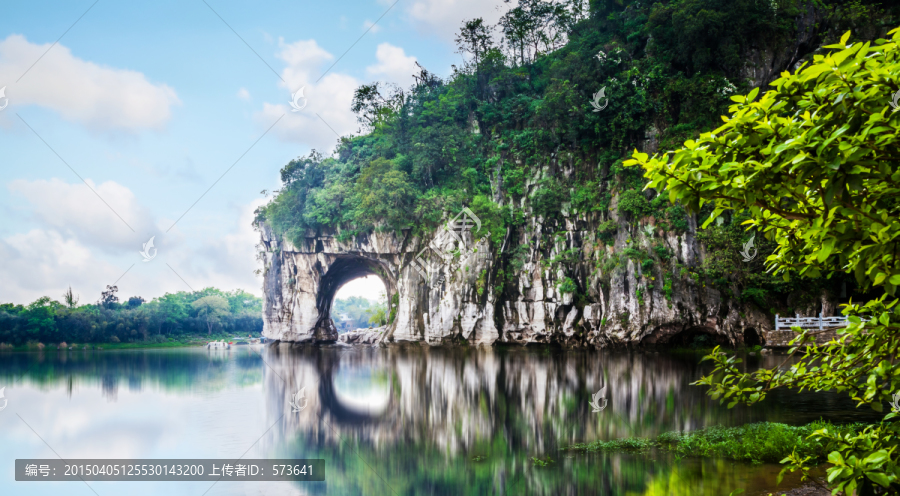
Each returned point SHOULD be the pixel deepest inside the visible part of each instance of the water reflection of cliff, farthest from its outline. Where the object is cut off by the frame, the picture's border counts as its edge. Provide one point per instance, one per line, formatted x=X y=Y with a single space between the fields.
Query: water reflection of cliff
x=453 y=397
x=444 y=407
x=448 y=421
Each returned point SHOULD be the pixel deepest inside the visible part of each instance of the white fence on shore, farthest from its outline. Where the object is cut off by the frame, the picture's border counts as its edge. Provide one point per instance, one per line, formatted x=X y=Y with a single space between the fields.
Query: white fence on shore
x=809 y=322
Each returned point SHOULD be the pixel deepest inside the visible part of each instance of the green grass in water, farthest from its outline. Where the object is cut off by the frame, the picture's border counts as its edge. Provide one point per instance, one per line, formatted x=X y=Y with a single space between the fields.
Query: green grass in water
x=757 y=443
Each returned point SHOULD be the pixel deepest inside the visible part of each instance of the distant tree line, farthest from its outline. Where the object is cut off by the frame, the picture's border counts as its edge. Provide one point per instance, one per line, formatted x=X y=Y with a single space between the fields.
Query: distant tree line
x=356 y=312
x=109 y=320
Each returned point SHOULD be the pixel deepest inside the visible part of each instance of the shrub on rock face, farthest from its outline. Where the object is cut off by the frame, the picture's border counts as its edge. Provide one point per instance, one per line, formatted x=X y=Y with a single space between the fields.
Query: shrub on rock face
x=813 y=163
x=633 y=205
x=567 y=286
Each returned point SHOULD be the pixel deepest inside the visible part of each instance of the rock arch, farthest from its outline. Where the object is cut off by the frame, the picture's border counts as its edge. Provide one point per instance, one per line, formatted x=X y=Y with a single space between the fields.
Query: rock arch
x=509 y=290
x=343 y=269
x=300 y=283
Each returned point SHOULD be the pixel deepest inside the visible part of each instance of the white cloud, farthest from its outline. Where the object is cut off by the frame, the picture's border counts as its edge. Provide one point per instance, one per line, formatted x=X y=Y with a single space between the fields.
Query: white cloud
x=304 y=59
x=444 y=17
x=99 y=97
x=329 y=98
x=393 y=65
x=229 y=261
x=74 y=210
x=78 y=241
x=44 y=262
x=327 y=113
x=243 y=94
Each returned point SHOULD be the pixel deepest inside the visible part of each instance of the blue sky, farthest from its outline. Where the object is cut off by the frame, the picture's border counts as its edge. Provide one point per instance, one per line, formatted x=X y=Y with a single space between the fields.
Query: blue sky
x=151 y=102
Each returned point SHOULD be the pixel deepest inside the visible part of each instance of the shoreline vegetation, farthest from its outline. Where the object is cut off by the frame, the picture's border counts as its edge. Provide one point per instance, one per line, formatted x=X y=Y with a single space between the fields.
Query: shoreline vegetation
x=762 y=442
x=182 y=317
x=172 y=320
x=182 y=342
x=757 y=443
x=201 y=340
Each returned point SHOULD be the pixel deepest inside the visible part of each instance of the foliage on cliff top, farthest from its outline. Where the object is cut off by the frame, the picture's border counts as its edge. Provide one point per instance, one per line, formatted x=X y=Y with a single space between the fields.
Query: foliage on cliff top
x=504 y=125
x=813 y=163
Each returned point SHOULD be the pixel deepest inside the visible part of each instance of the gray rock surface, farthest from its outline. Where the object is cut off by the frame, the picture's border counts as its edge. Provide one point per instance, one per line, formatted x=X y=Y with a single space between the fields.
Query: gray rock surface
x=464 y=298
x=362 y=336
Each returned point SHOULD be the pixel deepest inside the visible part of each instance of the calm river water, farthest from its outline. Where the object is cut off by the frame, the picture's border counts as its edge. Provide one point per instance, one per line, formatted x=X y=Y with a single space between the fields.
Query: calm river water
x=404 y=421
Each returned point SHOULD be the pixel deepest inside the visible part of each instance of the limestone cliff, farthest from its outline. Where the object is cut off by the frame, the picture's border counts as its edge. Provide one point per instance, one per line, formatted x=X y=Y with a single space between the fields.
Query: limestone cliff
x=579 y=254
x=460 y=299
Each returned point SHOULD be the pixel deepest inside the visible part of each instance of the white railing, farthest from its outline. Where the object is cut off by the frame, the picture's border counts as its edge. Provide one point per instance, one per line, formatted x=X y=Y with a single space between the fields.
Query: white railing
x=809 y=322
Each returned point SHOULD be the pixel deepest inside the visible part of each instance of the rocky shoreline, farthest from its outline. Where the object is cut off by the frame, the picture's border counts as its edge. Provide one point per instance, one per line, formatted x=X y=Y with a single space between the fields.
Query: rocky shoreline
x=372 y=335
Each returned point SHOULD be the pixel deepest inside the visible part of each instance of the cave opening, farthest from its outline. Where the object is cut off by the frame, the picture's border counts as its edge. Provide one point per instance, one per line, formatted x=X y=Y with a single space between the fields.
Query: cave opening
x=752 y=338
x=696 y=337
x=351 y=287
x=359 y=303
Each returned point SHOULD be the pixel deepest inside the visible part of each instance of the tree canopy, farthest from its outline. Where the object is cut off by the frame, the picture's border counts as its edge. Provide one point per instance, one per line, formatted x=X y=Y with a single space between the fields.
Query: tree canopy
x=355 y=312
x=511 y=133
x=813 y=163
x=169 y=316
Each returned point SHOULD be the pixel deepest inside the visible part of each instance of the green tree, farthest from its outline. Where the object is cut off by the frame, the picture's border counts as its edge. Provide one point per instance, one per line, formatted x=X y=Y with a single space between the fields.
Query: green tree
x=373 y=104
x=534 y=27
x=173 y=309
x=384 y=194
x=378 y=313
x=70 y=299
x=351 y=312
x=474 y=38
x=813 y=163
x=211 y=308
x=40 y=316
x=108 y=298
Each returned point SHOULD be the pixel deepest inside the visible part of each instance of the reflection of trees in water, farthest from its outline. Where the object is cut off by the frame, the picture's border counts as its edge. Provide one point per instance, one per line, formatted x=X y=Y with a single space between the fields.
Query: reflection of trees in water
x=508 y=404
x=180 y=370
x=445 y=406
x=458 y=396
